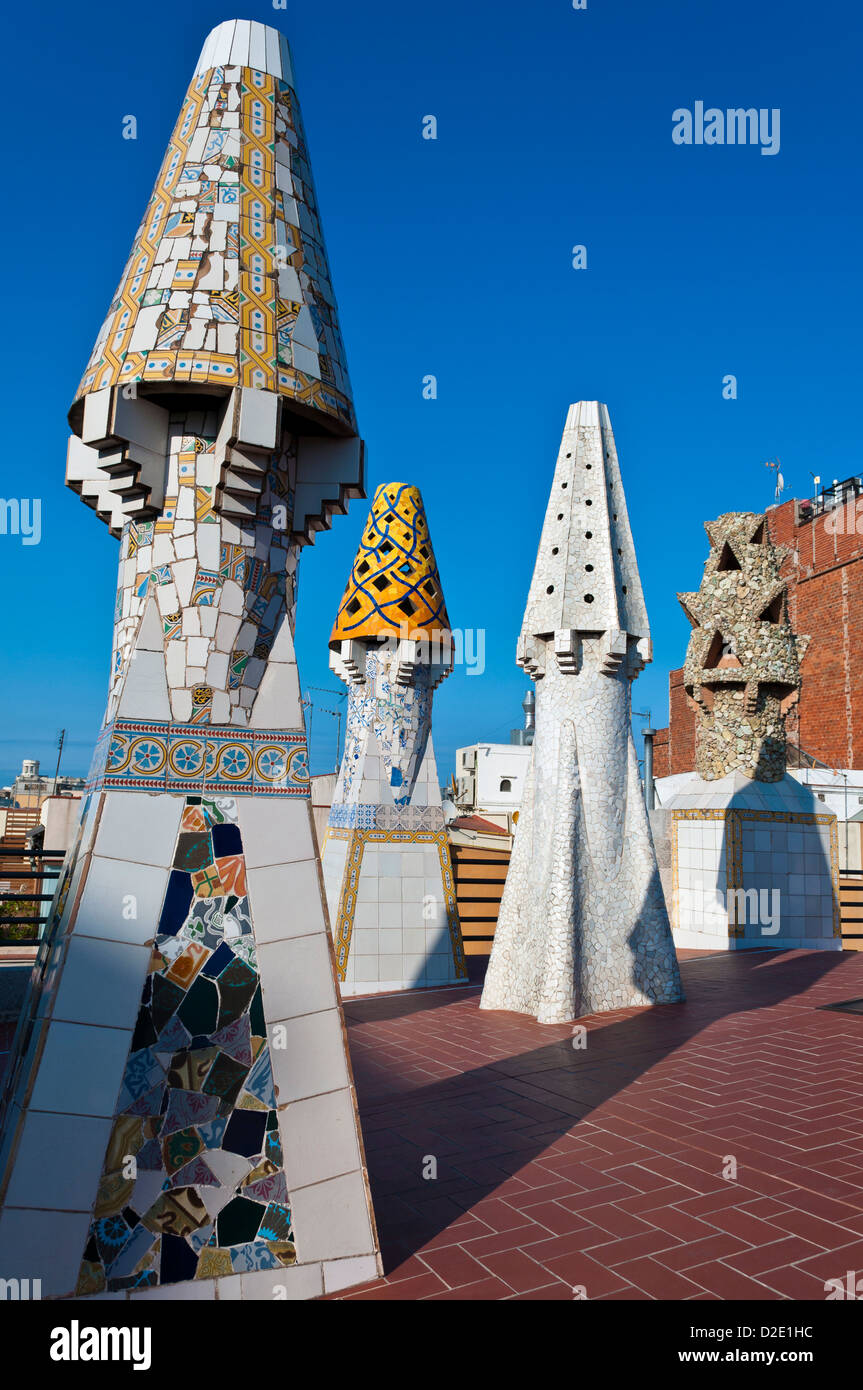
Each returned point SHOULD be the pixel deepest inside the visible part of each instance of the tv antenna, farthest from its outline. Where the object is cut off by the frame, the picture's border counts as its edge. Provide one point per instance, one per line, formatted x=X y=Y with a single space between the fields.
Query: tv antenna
x=780 y=481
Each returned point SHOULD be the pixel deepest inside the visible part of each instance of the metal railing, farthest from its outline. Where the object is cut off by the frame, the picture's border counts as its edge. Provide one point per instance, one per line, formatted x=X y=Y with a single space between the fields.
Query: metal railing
x=51 y=863
x=829 y=498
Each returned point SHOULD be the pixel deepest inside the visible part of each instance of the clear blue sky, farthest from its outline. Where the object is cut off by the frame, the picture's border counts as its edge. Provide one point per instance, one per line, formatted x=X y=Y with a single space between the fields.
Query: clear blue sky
x=454 y=258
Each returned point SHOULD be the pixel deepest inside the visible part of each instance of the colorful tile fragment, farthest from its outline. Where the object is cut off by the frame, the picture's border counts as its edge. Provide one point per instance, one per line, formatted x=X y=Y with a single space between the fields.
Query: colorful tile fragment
x=193 y=1185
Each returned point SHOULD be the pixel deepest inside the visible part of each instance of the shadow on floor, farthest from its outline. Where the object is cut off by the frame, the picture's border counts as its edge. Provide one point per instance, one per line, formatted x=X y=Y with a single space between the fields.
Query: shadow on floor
x=508 y=1088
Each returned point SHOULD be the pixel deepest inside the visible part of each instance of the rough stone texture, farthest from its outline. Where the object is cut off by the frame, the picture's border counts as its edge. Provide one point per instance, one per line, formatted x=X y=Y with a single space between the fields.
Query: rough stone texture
x=743 y=662
x=754 y=858
x=583 y=926
x=823 y=570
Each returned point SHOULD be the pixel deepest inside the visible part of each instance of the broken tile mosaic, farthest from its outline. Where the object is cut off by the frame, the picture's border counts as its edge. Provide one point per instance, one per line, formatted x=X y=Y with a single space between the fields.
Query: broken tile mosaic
x=193 y=1183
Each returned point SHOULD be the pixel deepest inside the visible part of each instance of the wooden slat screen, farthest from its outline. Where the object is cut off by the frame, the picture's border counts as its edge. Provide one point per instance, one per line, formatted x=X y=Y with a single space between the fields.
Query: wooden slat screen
x=479 y=878
x=851 y=903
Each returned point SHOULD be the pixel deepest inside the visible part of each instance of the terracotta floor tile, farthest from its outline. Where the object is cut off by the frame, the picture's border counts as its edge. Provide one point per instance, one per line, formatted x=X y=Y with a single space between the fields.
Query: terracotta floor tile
x=727 y=1283
x=406 y=1290
x=579 y=1270
x=696 y=1252
x=778 y=1253
x=603 y=1168
x=657 y=1280
x=556 y=1292
x=794 y=1283
x=633 y=1247
x=484 y=1290
x=516 y=1268
x=833 y=1264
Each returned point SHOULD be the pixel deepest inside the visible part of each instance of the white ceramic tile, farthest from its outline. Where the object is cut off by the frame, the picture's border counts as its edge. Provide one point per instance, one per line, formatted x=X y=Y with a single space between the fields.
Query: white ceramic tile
x=139 y=827
x=121 y=901
x=331 y=1219
x=286 y=901
x=59 y=1162
x=257 y=46
x=45 y=1245
x=390 y=915
x=82 y=1068
x=297 y=1282
x=319 y=1138
x=198 y=1290
x=274 y=832
x=240 y=45
x=101 y=983
x=296 y=977
x=364 y=969
x=310 y=1056
x=345 y=1274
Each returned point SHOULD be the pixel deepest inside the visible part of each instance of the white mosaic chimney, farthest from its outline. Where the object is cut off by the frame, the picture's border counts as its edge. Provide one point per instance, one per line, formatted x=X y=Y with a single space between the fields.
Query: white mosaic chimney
x=583 y=926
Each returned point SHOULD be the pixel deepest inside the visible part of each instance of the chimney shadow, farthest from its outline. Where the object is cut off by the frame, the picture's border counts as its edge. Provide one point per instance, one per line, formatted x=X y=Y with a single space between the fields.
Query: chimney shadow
x=476 y=1122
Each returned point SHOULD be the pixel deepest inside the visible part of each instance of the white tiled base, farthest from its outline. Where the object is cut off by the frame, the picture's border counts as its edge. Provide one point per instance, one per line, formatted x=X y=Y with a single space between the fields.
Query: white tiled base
x=97 y=973
x=787 y=863
x=400 y=938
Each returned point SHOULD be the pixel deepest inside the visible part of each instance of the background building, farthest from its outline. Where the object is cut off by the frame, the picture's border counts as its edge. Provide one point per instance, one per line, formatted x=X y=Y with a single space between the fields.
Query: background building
x=30 y=788
x=489 y=777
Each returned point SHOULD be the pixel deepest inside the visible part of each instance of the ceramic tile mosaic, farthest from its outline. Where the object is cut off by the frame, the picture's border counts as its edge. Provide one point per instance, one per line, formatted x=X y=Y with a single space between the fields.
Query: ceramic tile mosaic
x=221 y=601
x=193 y=1183
x=724 y=857
x=394 y=581
x=769 y=874
x=194 y=876
x=153 y=756
x=583 y=926
x=743 y=660
x=394 y=913
x=228 y=282
x=351 y=896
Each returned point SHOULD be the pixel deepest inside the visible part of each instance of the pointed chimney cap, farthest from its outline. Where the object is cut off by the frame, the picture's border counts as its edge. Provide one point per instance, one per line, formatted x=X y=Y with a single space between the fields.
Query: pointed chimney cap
x=394 y=583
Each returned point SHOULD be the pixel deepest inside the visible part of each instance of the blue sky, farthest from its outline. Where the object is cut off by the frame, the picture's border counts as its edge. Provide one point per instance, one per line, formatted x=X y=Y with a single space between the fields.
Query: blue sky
x=453 y=257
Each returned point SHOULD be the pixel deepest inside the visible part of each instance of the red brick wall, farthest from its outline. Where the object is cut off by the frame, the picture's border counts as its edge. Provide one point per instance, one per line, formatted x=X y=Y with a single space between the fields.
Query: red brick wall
x=824 y=569
x=675 y=746
x=661 y=753
x=825 y=591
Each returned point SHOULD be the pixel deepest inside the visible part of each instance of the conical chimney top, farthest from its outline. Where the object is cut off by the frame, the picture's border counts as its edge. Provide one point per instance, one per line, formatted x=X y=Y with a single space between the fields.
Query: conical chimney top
x=394 y=583
x=586 y=576
x=227 y=284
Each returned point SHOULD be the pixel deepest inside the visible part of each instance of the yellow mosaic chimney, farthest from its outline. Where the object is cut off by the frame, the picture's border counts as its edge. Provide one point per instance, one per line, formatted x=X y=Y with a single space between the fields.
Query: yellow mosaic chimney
x=394 y=581
x=225 y=304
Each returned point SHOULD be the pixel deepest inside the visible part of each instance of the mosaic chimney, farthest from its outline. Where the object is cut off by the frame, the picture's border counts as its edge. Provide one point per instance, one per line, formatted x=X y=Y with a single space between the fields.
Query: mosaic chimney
x=183 y=1043
x=583 y=926
x=387 y=866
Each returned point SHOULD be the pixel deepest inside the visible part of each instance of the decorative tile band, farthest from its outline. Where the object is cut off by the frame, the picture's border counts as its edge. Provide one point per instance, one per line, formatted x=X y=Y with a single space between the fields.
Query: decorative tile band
x=351 y=881
x=158 y=756
x=734 y=818
x=371 y=816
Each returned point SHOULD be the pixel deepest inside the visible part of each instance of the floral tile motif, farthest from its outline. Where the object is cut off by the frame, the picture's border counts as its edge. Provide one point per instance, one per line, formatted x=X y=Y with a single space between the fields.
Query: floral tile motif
x=193 y=1184
x=134 y=755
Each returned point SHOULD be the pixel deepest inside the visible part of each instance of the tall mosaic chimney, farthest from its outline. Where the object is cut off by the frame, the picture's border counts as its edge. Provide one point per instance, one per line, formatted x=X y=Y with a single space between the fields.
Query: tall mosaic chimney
x=583 y=926
x=386 y=857
x=181 y=1118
